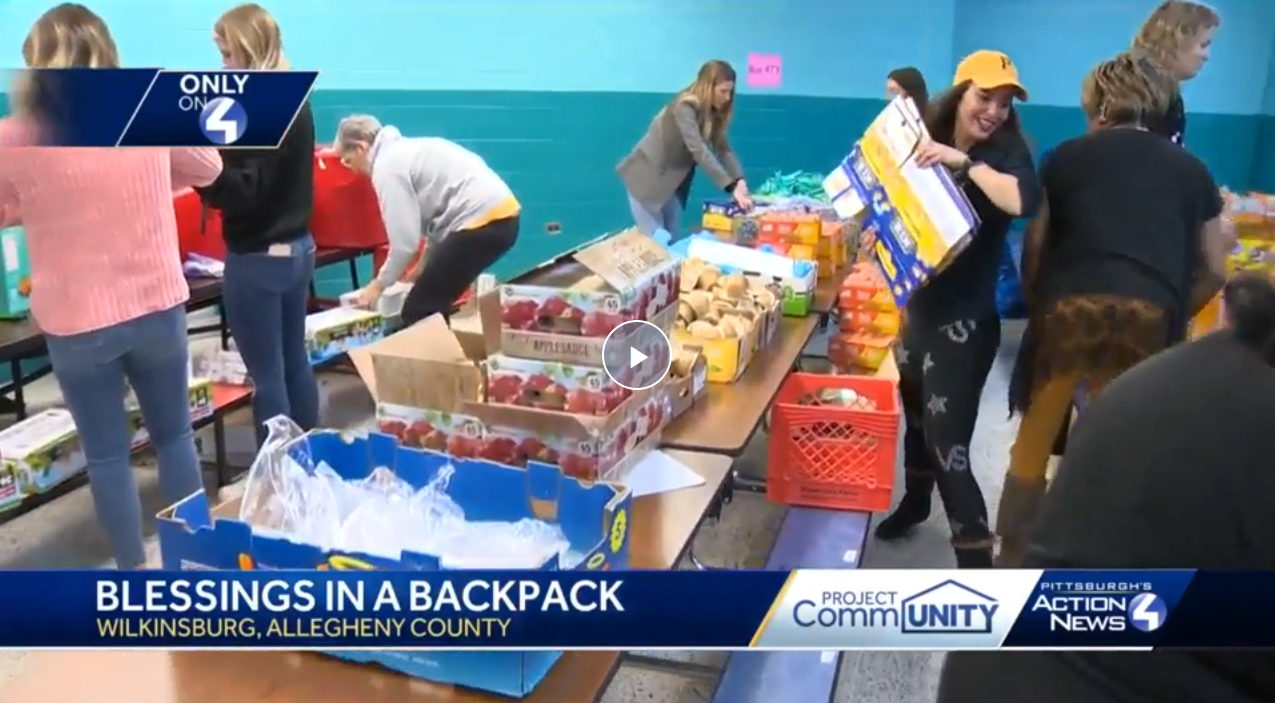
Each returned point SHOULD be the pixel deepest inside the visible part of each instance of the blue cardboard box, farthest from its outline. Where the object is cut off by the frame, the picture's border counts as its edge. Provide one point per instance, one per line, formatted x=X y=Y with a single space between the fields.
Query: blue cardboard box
x=594 y=517
x=15 y=274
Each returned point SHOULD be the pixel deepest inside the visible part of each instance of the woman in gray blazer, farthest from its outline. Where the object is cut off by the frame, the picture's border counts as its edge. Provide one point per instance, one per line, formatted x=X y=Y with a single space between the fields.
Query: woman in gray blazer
x=689 y=131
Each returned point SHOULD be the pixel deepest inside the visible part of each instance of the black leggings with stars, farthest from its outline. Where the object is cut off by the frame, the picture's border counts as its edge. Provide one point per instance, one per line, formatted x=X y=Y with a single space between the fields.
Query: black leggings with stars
x=942 y=369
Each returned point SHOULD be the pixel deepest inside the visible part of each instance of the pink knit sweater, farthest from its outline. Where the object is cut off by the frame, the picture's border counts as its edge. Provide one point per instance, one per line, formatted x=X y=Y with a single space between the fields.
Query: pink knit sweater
x=100 y=230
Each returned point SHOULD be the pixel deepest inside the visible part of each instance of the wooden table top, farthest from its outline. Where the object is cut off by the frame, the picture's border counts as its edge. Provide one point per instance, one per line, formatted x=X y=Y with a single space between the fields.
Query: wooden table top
x=663 y=526
x=724 y=419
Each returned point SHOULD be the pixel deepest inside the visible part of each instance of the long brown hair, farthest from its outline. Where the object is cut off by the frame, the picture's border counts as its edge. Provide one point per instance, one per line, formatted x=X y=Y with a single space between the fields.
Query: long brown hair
x=913 y=84
x=1170 y=27
x=713 y=122
x=252 y=37
x=940 y=119
x=67 y=36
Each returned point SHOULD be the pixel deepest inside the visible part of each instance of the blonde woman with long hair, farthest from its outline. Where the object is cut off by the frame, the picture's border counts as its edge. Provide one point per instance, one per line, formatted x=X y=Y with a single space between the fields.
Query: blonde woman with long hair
x=688 y=132
x=266 y=197
x=107 y=286
x=1175 y=41
x=1127 y=248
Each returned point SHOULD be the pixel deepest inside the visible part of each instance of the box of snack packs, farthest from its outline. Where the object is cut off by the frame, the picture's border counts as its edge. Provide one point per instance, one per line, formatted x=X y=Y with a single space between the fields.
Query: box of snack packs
x=38 y=454
x=727 y=316
x=920 y=216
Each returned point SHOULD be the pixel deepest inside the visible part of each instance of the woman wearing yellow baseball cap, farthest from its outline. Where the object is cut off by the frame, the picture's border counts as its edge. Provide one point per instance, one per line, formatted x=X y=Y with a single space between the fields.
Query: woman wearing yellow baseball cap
x=953 y=329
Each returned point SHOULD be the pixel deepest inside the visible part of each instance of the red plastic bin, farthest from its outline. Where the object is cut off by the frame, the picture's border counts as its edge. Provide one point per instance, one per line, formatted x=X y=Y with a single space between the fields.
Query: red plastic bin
x=824 y=456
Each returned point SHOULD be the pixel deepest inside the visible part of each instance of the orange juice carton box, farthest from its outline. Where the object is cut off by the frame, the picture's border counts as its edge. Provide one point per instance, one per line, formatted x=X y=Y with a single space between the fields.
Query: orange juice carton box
x=880 y=322
x=863 y=289
x=859 y=351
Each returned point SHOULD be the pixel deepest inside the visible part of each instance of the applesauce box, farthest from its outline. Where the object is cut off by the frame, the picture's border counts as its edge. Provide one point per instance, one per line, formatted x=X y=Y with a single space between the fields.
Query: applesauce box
x=564 y=309
x=37 y=454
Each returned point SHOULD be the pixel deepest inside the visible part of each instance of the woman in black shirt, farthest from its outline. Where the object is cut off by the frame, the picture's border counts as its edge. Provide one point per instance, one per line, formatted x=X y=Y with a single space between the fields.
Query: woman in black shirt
x=953 y=329
x=1169 y=469
x=266 y=197
x=1128 y=246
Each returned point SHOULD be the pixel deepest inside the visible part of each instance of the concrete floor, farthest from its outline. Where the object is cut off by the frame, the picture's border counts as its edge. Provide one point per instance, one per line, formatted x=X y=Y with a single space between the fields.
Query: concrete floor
x=64 y=534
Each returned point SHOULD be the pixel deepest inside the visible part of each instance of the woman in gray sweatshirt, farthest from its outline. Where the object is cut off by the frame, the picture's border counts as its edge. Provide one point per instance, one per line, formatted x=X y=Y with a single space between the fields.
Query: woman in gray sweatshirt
x=435 y=189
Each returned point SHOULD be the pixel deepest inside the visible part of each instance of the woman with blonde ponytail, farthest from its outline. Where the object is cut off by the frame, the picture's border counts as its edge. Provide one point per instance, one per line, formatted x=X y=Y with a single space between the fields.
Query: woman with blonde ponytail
x=106 y=281
x=265 y=197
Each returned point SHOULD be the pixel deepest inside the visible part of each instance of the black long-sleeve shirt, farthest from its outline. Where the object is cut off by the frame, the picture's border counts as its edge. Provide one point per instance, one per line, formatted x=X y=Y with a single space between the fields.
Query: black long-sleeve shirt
x=266 y=195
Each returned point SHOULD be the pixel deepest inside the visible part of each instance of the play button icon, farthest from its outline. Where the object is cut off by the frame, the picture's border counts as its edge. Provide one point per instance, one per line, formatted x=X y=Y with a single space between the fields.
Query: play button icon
x=637 y=355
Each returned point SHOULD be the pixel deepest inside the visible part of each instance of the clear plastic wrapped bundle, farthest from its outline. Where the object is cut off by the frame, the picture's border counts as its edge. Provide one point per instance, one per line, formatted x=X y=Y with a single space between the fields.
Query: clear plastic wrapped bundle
x=287 y=495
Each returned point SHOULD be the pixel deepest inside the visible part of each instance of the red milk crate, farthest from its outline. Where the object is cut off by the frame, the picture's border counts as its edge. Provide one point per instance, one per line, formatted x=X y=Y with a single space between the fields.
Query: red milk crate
x=827 y=456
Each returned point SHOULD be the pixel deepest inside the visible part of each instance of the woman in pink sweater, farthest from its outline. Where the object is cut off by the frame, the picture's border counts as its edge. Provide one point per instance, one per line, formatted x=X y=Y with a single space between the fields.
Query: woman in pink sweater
x=106 y=282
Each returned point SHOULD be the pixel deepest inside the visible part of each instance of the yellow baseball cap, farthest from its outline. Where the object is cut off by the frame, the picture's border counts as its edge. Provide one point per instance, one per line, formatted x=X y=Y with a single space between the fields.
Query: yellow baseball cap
x=988 y=70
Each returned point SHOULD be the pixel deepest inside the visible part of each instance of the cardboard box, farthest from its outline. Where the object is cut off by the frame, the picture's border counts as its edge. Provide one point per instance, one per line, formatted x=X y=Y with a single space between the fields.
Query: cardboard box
x=549 y=385
x=800 y=228
x=430 y=392
x=564 y=309
x=726 y=359
x=41 y=451
x=883 y=324
x=798 y=279
x=594 y=516
x=336 y=331
x=15 y=274
x=389 y=305
x=922 y=219
x=200 y=407
x=686 y=387
x=864 y=289
x=859 y=351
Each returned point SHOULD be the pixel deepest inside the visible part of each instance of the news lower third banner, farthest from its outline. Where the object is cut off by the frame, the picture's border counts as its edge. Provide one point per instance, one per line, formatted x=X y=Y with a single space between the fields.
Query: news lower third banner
x=137 y=107
x=815 y=609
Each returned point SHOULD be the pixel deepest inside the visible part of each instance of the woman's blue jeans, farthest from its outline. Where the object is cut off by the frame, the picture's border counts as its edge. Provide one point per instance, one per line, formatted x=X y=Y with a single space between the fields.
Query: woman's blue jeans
x=265 y=296
x=151 y=353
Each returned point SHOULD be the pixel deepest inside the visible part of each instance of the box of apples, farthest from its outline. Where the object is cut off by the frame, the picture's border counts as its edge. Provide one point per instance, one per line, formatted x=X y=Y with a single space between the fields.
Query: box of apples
x=434 y=392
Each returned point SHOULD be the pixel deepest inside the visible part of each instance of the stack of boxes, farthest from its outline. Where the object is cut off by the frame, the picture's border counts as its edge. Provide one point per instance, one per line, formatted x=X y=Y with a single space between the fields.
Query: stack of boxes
x=799 y=229
x=1252 y=217
x=868 y=322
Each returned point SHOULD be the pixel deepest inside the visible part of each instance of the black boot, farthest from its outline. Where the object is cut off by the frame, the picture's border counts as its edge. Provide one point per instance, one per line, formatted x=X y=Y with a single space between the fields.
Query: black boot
x=973 y=557
x=913 y=510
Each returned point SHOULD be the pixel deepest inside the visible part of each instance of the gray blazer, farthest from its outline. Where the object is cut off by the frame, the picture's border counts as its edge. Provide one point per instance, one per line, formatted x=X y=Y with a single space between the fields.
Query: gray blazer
x=671 y=147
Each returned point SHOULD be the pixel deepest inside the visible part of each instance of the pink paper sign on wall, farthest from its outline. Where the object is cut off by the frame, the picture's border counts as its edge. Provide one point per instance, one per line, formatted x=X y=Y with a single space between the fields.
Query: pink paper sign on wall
x=765 y=70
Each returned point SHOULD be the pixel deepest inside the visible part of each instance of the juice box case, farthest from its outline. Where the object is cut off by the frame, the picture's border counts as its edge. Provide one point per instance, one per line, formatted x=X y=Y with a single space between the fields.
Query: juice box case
x=334 y=332
x=42 y=451
x=15 y=274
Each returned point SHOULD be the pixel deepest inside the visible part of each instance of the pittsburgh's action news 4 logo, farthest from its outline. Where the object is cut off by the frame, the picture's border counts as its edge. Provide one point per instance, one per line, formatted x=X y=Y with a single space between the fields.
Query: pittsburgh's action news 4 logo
x=1091 y=607
x=223 y=121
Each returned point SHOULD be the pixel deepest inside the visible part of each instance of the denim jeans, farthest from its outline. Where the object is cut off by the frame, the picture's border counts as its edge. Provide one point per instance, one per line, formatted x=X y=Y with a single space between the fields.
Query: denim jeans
x=91 y=369
x=667 y=218
x=265 y=296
